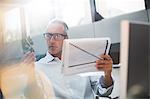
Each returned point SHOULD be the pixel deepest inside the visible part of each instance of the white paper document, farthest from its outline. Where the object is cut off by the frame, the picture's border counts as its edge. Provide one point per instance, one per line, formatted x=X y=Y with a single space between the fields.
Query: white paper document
x=79 y=55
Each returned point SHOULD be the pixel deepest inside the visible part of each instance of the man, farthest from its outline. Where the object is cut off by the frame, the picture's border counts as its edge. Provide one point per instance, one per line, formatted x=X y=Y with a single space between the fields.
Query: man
x=72 y=87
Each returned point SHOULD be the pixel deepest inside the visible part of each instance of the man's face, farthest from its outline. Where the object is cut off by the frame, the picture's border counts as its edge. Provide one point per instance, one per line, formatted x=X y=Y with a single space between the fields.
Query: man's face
x=55 y=37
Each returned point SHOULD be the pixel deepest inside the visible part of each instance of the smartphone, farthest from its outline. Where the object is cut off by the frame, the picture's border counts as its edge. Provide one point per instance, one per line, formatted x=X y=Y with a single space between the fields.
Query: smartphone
x=27 y=45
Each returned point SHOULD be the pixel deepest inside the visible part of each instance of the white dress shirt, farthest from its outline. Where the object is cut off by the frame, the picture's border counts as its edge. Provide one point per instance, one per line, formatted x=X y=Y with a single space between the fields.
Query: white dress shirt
x=71 y=87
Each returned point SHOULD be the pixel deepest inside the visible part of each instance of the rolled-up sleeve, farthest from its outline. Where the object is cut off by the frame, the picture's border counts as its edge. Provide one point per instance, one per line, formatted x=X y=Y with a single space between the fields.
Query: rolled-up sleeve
x=100 y=88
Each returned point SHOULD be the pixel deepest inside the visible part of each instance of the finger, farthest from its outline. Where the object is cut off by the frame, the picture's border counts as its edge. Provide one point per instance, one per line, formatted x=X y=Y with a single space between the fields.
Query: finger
x=106 y=57
x=29 y=57
x=100 y=67
x=104 y=68
x=104 y=65
x=99 y=61
x=33 y=56
x=104 y=62
x=26 y=54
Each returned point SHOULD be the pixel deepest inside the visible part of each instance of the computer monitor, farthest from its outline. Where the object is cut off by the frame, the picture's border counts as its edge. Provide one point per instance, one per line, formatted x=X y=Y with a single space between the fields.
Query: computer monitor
x=114 y=52
x=135 y=60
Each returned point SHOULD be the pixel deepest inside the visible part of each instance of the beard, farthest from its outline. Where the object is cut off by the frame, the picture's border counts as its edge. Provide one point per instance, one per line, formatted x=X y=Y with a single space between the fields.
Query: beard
x=55 y=51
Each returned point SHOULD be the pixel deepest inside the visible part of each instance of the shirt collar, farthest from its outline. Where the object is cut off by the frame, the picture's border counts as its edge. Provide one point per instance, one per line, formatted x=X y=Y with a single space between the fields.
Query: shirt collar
x=49 y=57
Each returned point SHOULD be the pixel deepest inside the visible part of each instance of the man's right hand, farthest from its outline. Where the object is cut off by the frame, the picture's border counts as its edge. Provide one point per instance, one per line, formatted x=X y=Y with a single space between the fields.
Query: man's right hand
x=27 y=64
x=28 y=59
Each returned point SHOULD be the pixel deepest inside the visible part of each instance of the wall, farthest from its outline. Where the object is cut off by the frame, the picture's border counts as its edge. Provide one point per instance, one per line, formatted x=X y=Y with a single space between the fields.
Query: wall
x=39 y=44
x=105 y=28
x=82 y=31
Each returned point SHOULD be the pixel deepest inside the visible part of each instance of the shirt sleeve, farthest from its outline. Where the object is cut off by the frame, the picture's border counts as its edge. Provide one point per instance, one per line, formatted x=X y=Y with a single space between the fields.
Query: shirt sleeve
x=100 y=88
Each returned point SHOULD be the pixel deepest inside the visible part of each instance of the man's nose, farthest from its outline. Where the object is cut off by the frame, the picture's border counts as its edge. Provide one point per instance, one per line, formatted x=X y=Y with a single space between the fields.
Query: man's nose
x=52 y=38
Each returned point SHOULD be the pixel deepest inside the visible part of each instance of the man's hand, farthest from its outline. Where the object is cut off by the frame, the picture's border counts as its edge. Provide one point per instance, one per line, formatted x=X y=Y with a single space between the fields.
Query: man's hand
x=27 y=63
x=105 y=64
x=28 y=59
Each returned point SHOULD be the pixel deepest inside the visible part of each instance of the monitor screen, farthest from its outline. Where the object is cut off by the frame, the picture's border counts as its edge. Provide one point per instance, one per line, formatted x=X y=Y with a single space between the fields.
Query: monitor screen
x=135 y=59
x=114 y=52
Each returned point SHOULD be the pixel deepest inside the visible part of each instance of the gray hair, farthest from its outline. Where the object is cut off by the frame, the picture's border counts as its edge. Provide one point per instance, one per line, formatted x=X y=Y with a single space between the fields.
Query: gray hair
x=59 y=22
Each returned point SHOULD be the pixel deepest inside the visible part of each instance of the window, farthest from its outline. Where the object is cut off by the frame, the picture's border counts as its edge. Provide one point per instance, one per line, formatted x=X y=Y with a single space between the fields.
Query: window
x=12 y=25
x=111 y=8
x=73 y=12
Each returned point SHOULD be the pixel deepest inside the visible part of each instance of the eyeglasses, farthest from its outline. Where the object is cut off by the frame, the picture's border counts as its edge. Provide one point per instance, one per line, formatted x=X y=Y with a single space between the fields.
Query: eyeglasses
x=56 y=36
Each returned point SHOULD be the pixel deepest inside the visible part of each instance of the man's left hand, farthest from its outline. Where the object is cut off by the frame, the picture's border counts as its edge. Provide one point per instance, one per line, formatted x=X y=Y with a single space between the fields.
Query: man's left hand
x=105 y=64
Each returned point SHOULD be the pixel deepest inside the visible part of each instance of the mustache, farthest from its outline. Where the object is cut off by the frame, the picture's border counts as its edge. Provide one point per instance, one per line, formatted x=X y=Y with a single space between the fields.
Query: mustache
x=52 y=46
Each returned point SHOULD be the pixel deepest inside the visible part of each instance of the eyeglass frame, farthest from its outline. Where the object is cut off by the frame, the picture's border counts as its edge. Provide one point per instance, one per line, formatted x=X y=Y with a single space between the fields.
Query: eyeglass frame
x=52 y=35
